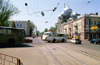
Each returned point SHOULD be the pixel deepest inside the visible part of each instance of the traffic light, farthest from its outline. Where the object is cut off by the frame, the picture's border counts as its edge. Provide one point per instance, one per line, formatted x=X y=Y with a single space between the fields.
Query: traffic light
x=42 y=13
x=54 y=9
x=26 y=4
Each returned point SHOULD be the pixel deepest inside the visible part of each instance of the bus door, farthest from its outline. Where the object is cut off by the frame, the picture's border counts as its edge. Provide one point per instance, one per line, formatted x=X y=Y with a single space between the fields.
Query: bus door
x=19 y=36
x=23 y=36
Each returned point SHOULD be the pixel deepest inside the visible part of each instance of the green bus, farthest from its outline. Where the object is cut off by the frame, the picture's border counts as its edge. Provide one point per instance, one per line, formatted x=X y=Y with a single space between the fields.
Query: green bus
x=11 y=36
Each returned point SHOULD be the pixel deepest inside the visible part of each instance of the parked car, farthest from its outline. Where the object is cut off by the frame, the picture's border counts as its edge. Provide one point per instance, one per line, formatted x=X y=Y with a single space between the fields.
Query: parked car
x=33 y=36
x=28 y=40
x=75 y=41
x=95 y=41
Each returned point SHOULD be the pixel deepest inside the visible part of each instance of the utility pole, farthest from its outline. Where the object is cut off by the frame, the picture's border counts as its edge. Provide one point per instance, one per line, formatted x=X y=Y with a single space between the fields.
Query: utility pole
x=36 y=30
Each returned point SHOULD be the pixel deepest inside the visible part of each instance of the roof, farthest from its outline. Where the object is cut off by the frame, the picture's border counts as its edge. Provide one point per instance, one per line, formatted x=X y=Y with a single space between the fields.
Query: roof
x=67 y=9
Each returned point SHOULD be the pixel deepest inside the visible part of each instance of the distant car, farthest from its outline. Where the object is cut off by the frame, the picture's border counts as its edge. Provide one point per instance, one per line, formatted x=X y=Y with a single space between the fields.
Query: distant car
x=33 y=36
x=95 y=41
x=75 y=41
x=28 y=40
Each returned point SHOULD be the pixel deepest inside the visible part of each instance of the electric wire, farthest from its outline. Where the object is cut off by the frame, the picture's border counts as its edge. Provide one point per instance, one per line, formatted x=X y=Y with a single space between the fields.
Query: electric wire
x=85 y=5
x=57 y=6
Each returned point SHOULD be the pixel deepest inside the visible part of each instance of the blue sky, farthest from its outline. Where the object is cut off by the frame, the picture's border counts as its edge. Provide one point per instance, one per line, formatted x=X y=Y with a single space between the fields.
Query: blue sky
x=80 y=6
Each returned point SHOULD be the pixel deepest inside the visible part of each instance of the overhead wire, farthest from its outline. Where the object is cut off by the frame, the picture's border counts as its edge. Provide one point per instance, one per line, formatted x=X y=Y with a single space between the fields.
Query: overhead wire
x=51 y=15
x=85 y=5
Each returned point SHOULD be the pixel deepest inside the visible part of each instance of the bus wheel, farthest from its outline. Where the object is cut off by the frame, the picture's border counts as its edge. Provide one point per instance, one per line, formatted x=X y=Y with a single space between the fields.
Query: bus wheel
x=53 y=40
x=48 y=41
x=62 y=40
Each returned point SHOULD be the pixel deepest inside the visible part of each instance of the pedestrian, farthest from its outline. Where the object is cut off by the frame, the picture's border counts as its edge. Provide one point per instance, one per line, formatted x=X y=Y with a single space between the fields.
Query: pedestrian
x=41 y=37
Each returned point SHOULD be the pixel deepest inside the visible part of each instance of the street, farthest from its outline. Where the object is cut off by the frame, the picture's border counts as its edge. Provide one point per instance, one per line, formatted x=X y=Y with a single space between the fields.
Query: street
x=43 y=53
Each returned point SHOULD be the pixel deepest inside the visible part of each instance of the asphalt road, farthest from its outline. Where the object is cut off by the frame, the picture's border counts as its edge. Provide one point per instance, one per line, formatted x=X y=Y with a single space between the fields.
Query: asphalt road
x=43 y=53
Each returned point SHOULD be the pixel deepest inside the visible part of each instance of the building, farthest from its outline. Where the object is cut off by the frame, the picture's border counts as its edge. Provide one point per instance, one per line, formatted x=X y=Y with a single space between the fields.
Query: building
x=22 y=24
x=70 y=24
x=82 y=26
x=62 y=18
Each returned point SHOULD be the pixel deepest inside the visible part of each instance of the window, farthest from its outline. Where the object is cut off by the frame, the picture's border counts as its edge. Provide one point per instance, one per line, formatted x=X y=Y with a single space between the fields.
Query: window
x=2 y=31
x=61 y=35
x=17 y=25
x=87 y=30
x=95 y=30
x=11 y=32
x=95 y=22
x=20 y=25
x=94 y=35
x=87 y=36
x=23 y=33
x=87 y=22
x=98 y=22
x=91 y=22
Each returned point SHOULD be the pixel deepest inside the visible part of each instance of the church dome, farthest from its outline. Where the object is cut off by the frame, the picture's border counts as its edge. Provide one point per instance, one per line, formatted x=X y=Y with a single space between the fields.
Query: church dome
x=59 y=15
x=75 y=13
x=67 y=9
x=63 y=13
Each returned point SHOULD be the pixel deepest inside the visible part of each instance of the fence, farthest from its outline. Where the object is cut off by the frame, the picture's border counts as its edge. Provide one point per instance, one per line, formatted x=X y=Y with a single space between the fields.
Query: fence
x=9 y=60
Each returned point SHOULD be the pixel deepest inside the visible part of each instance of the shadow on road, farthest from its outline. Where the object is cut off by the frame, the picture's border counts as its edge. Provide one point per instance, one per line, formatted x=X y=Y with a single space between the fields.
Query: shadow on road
x=55 y=42
x=16 y=46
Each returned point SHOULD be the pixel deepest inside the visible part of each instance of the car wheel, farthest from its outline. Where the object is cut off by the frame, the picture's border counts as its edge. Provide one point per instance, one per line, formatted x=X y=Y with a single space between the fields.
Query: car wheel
x=95 y=42
x=53 y=40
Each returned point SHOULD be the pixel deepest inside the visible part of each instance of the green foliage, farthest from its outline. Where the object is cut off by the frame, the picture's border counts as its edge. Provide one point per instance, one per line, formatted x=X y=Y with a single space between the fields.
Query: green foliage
x=13 y=24
x=38 y=33
x=6 y=11
x=32 y=27
x=45 y=30
x=53 y=29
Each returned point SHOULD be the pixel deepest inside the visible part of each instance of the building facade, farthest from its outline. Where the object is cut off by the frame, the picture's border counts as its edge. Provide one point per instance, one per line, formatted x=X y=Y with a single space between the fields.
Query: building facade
x=83 y=26
x=22 y=24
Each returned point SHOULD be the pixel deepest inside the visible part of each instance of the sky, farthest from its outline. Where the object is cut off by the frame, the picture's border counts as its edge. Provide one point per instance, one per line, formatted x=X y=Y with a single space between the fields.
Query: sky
x=80 y=6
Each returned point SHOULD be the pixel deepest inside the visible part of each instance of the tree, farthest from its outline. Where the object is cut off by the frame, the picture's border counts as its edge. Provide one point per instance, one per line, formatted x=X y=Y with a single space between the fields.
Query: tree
x=32 y=27
x=6 y=11
x=13 y=24
x=45 y=30
x=37 y=33
x=53 y=29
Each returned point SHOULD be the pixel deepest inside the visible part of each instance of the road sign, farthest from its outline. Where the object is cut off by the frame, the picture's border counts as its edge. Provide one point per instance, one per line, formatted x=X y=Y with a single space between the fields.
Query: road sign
x=95 y=27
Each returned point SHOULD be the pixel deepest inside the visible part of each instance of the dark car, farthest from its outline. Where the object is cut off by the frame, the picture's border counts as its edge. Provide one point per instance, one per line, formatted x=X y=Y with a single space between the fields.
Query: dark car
x=95 y=41
x=33 y=36
x=28 y=40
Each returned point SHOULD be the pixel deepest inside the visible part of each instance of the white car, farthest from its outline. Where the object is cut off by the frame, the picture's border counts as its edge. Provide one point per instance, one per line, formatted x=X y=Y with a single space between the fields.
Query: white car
x=75 y=41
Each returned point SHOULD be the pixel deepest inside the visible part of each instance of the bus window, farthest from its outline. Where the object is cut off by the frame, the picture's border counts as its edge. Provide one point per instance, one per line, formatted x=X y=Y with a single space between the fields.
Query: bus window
x=23 y=33
x=2 y=31
x=11 y=32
